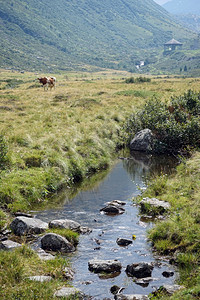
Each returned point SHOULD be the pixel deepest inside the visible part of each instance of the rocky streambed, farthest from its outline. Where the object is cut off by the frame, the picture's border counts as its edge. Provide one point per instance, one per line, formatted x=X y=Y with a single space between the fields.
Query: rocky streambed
x=113 y=259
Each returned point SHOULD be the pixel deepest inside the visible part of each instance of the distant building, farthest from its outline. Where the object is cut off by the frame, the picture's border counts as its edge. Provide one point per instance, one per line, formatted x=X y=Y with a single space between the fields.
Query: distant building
x=172 y=45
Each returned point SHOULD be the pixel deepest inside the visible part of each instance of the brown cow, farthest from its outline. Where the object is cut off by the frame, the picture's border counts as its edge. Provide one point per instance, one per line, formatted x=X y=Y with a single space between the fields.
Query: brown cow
x=44 y=81
x=48 y=82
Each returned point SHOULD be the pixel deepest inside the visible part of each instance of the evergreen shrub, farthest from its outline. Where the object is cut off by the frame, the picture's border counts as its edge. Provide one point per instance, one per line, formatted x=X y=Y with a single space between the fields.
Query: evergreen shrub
x=138 y=79
x=176 y=127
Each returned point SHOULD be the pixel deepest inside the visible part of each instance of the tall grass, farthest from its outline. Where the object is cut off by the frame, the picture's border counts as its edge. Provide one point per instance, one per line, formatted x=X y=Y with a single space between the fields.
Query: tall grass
x=179 y=235
x=15 y=268
x=60 y=137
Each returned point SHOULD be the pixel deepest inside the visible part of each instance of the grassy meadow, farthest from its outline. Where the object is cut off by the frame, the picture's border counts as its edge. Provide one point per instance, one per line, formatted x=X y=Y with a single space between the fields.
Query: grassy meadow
x=53 y=139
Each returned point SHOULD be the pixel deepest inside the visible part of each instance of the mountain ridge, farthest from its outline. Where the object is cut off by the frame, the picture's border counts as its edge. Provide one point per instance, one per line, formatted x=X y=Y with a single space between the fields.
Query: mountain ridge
x=183 y=7
x=66 y=35
x=187 y=12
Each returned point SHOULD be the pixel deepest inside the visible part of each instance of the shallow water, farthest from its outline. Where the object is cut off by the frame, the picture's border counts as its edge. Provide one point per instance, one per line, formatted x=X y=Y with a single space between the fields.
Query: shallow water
x=124 y=182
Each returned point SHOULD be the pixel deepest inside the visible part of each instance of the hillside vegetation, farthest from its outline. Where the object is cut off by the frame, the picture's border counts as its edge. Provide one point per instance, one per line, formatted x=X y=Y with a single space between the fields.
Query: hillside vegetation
x=86 y=34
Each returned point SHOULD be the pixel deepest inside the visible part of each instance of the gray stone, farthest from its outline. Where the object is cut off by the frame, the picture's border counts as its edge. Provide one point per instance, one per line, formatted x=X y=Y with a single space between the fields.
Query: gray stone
x=84 y=230
x=67 y=291
x=56 y=242
x=131 y=297
x=112 y=210
x=116 y=203
x=144 y=281
x=167 y=274
x=161 y=206
x=23 y=214
x=65 y=223
x=139 y=270
x=69 y=224
x=123 y=242
x=68 y=273
x=9 y=245
x=171 y=289
x=106 y=266
x=5 y=232
x=40 y=278
x=142 y=141
x=44 y=255
x=23 y=225
x=116 y=289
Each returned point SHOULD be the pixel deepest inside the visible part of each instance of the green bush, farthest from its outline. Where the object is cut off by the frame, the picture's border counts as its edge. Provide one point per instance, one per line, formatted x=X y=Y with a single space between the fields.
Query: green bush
x=143 y=79
x=176 y=127
x=138 y=79
x=130 y=80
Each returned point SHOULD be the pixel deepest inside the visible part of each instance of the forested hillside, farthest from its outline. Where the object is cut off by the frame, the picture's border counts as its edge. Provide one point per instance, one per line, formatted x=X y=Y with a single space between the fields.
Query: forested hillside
x=74 y=35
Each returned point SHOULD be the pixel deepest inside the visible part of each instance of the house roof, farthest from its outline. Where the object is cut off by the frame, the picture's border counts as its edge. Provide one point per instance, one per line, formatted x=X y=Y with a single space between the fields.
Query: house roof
x=173 y=42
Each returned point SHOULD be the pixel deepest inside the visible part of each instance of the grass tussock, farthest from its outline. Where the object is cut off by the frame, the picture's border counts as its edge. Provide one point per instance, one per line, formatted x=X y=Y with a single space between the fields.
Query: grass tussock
x=179 y=235
x=22 y=263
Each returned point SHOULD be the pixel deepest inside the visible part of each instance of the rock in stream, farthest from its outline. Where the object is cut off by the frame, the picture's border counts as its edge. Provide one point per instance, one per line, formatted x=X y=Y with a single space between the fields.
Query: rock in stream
x=24 y=225
x=57 y=243
x=106 y=266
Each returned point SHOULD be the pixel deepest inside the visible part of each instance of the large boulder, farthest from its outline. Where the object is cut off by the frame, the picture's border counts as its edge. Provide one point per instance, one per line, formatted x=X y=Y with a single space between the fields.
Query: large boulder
x=139 y=270
x=57 y=243
x=106 y=266
x=24 y=225
x=142 y=141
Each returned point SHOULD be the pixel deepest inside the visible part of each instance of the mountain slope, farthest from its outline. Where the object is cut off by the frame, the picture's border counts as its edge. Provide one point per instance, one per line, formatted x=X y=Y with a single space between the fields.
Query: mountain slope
x=186 y=11
x=67 y=34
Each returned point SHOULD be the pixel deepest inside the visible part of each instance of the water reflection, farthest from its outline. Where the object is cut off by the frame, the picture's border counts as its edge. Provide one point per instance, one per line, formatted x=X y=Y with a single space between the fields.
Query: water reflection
x=145 y=165
x=120 y=183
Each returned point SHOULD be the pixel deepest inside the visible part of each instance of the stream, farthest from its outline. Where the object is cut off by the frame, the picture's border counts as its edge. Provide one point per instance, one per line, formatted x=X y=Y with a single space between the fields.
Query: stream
x=124 y=181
